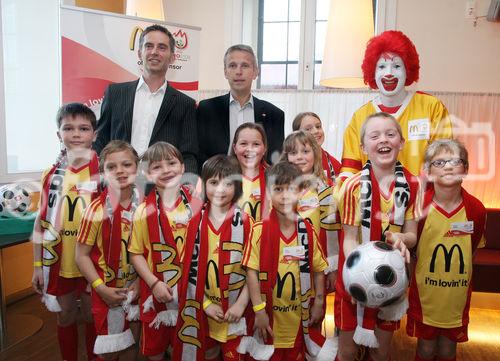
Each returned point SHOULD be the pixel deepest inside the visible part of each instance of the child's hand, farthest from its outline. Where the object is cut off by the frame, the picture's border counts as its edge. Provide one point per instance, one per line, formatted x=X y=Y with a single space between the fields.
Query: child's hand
x=397 y=241
x=135 y=289
x=162 y=292
x=214 y=311
x=317 y=312
x=262 y=324
x=37 y=280
x=331 y=279
x=112 y=296
x=234 y=313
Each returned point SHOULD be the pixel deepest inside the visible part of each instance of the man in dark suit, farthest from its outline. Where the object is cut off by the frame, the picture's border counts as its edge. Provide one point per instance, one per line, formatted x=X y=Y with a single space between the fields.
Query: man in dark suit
x=219 y=117
x=149 y=110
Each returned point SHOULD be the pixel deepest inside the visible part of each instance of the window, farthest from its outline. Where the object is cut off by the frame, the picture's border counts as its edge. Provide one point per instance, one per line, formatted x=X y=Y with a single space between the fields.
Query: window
x=287 y=29
x=291 y=40
x=29 y=64
x=320 y=27
x=279 y=39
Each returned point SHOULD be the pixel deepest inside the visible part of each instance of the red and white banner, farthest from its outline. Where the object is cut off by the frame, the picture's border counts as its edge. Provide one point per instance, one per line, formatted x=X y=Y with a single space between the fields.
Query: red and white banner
x=99 y=48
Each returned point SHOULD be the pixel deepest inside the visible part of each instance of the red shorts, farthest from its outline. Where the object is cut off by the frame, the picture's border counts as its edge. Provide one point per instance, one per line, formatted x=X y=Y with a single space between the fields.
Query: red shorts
x=346 y=320
x=416 y=328
x=228 y=349
x=68 y=285
x=155 y=341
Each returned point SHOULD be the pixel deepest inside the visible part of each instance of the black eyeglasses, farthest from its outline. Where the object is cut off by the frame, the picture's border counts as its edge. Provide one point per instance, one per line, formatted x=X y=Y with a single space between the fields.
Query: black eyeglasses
x=440 y=163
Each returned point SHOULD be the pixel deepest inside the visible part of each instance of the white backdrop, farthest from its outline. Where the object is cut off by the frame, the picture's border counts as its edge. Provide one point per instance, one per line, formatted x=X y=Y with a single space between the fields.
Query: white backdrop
x=476 y=121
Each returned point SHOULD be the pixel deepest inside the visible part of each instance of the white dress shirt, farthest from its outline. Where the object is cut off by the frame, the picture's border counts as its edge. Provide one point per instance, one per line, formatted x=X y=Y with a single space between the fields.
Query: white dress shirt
x=146 y=107
x=238 y=115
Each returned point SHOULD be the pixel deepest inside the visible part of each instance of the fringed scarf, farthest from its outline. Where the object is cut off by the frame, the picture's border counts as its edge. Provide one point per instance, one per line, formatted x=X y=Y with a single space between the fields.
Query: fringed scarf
x=330 y=165
x=50 y=222
x=329 y=227
x=269 y=246
x=111 y=237
x=371 y=230
x=233 y=236
x=191 y=330
x=119 y=336
x=163 y=247
x=112 y=233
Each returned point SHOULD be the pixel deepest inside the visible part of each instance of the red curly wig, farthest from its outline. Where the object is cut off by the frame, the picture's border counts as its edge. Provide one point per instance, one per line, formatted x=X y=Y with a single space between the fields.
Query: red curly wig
x=390 y=42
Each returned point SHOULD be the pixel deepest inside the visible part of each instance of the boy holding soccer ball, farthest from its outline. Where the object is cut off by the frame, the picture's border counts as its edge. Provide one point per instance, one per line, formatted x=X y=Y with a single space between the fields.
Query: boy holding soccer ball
x=451 y=229
x=376 y=204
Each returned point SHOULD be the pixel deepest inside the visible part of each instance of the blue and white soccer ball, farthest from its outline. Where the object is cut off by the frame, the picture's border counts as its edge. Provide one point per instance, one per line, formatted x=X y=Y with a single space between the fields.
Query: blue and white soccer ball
x=14 y=201
x=375 y=274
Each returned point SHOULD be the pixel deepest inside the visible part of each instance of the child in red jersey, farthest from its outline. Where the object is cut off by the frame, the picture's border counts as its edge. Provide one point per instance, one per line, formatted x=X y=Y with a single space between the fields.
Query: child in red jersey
x=67 y=188
x=101 y=253
x=376 y=204
x=311 y=123
x=316 y=202
x=157 y=246
x=451 y=229
x=285 y=266
x=249 y=147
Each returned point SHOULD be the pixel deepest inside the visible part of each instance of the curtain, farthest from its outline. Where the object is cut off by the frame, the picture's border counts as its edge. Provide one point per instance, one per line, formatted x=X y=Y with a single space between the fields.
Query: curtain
x=475 y=116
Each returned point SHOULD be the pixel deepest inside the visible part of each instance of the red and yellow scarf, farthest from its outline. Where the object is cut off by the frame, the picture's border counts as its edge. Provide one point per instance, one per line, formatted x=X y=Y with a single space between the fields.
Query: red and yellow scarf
x=269 y=246
x=51 y=198
x=163 y=247
x=371 y=230
x=192 y=329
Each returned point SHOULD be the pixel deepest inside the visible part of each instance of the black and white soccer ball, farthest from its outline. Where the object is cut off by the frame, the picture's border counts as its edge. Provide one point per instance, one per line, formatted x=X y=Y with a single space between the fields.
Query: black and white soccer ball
x=15 y=201
x=375 y=274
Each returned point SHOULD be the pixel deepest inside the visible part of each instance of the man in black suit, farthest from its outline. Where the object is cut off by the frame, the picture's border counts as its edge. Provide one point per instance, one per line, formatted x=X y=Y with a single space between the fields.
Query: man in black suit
x=219 y=117
x=149 y=110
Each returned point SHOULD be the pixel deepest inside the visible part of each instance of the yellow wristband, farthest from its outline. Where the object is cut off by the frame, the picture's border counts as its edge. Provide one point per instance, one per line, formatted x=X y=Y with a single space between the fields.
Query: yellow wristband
x=38 y=264
x=206 y=304
x=97 y=283
x=259 y=307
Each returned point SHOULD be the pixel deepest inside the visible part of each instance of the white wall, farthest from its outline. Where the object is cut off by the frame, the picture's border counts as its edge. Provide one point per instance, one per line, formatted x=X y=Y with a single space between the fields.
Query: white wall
x=454 y=55
x=210 y=16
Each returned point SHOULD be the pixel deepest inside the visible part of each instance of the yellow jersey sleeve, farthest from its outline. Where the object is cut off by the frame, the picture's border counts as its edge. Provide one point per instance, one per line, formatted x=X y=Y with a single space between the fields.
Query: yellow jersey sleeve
x=349 y=201
x=410 y=213
x=352 y=156
x=42 y=181
x=139 y=234
x=251 y=254
x=319 y=263
x=440 y=122
x=91 y=223
x=482 y=242
x=351 y=153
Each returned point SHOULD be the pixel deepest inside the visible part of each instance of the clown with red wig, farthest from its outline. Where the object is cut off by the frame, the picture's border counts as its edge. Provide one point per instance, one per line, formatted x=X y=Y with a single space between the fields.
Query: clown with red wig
x=391 y=62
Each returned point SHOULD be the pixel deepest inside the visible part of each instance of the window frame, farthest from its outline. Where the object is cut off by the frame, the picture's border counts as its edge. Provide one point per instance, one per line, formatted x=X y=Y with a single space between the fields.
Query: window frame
x=306 y=62
x=260 y=46
x=385 y=19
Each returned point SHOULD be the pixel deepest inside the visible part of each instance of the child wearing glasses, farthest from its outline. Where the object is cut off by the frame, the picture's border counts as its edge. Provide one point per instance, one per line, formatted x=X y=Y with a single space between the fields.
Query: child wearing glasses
x=450 y=230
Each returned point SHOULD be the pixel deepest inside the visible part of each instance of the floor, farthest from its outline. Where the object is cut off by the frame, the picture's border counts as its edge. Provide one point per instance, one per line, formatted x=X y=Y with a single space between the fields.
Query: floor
x=484 y=337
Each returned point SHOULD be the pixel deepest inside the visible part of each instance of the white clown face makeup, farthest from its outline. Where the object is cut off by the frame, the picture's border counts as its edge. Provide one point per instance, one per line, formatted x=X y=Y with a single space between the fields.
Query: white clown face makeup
x=390 y=74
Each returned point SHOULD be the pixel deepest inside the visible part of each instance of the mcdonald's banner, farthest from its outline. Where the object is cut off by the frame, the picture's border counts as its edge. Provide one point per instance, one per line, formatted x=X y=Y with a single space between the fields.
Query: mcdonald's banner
x=100 y=48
